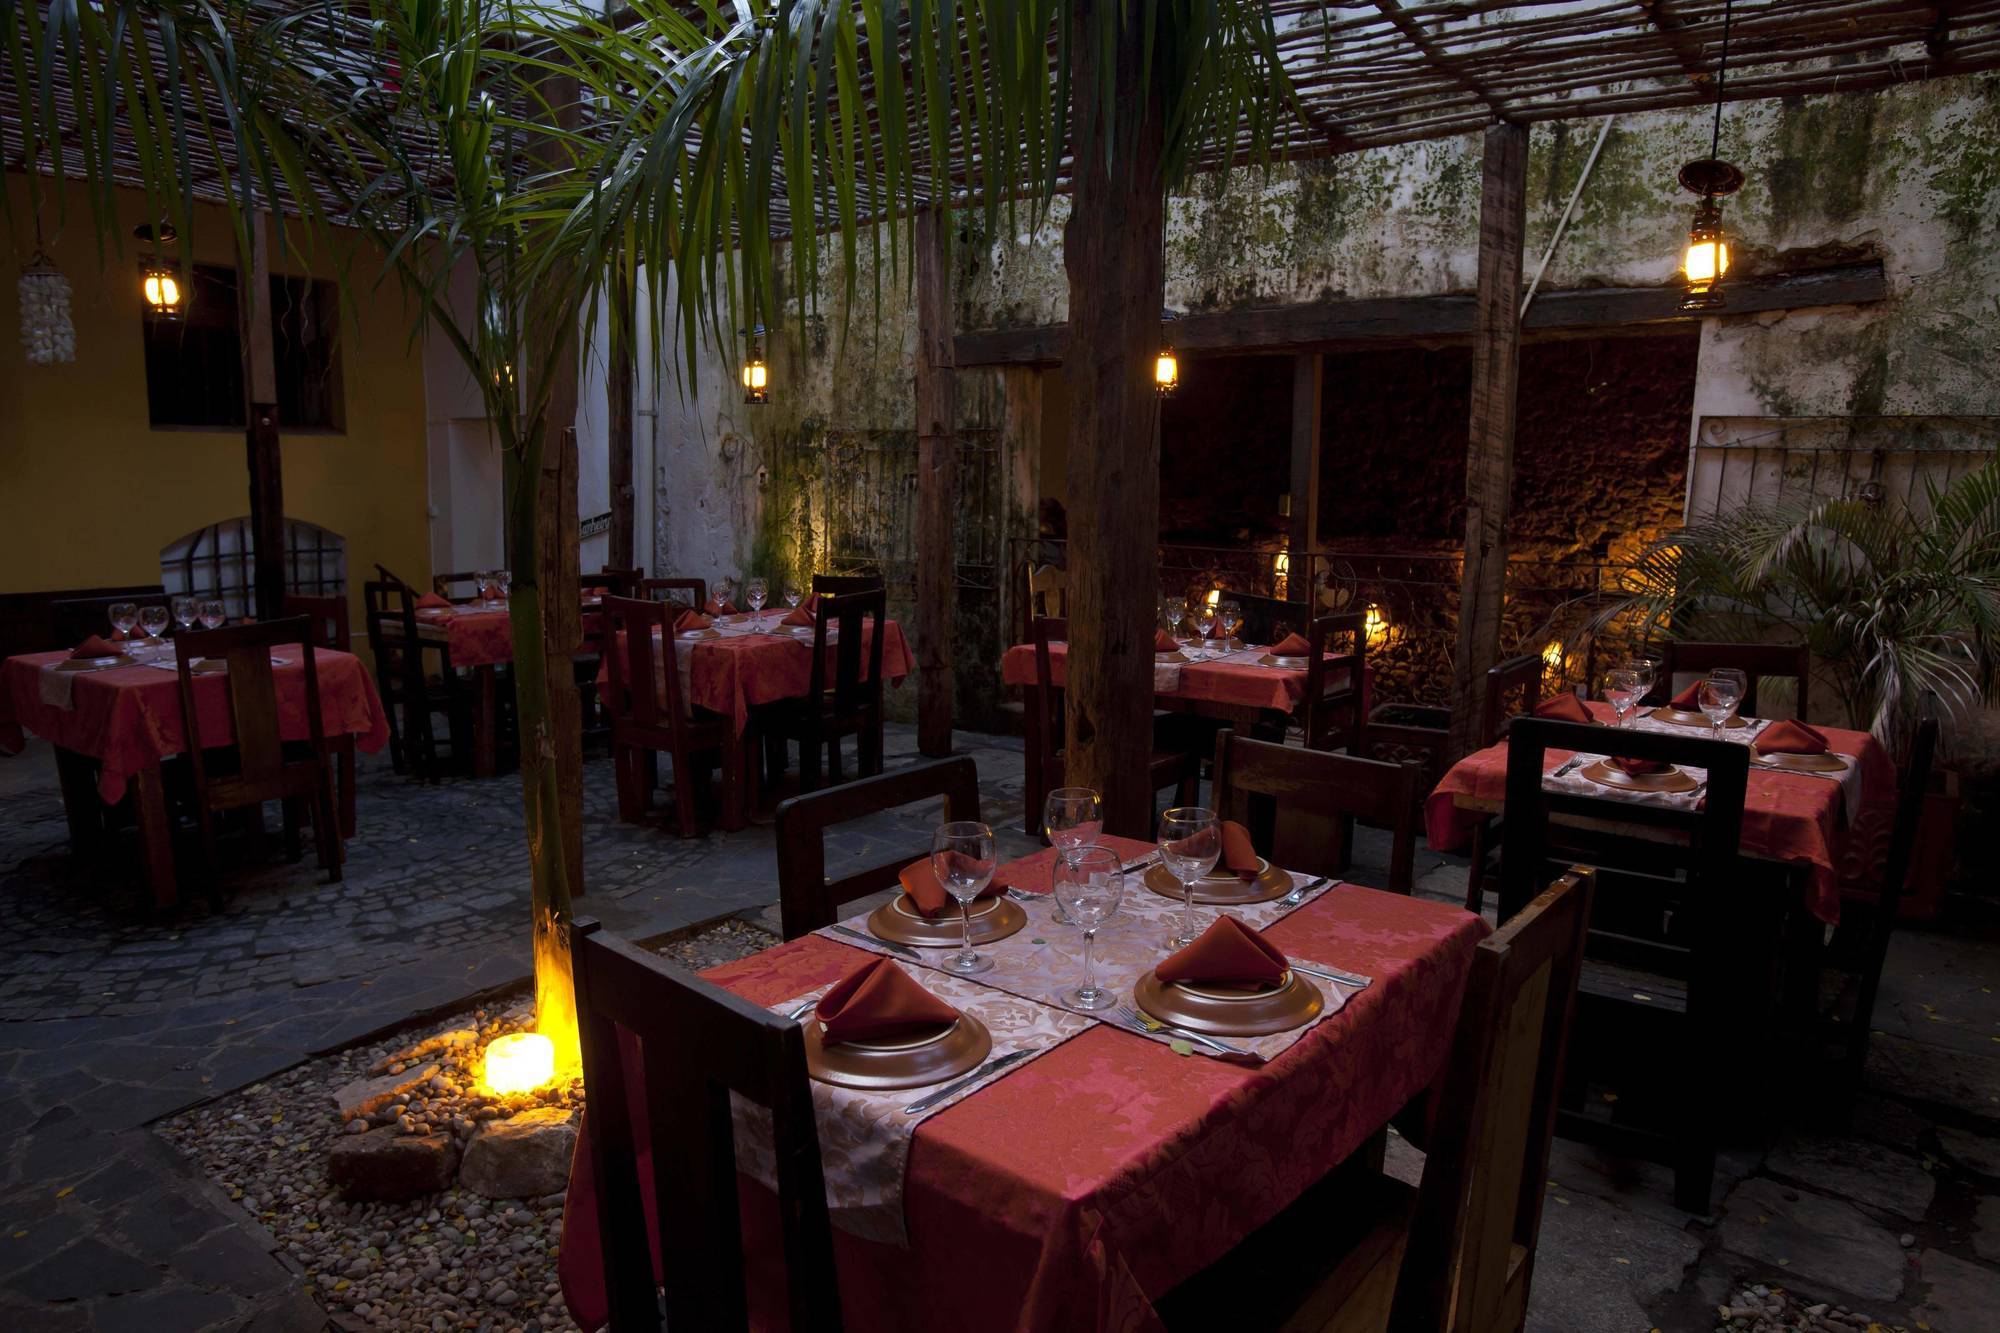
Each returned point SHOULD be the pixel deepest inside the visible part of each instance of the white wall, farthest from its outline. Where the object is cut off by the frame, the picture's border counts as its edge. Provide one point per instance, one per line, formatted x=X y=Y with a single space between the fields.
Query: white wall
x=467 y=523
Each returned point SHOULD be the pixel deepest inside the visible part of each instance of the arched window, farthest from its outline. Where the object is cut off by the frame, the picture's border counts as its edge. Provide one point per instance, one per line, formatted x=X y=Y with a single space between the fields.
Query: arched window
x=220 y=561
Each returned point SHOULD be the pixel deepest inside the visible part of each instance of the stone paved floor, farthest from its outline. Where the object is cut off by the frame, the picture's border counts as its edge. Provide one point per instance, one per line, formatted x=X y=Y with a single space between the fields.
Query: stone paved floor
x=110 y=1020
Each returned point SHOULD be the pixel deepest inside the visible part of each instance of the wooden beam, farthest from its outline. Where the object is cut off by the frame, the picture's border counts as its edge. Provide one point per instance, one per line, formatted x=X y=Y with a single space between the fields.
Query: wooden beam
x=619 y=376
x=263 y=453
x=1332 y=324
x=1306 y=376
x=1489 y=459
x=937 y=483
x=1112 y=253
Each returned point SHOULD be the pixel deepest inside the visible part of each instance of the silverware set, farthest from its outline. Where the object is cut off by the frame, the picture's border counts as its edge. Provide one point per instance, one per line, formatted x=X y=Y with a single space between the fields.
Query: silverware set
x=1145 y=1022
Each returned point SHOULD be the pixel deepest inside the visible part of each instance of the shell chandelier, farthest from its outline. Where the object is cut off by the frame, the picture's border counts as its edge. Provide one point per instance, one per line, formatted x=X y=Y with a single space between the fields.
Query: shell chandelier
x=47 y=336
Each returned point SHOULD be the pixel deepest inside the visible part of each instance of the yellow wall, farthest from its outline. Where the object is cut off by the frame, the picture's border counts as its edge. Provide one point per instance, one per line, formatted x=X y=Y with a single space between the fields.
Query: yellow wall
x=90 y=493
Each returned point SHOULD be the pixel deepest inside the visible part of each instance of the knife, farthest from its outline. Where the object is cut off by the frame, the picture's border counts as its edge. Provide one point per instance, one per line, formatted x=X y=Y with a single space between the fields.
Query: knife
x=1140 y=864
x=1332 y=974
x=992 y=1066
x=878 y=942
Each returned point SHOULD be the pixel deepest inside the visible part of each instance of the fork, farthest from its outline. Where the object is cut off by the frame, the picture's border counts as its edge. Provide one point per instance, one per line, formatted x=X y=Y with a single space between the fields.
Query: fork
x=1147 y=1023
x=1298 y=895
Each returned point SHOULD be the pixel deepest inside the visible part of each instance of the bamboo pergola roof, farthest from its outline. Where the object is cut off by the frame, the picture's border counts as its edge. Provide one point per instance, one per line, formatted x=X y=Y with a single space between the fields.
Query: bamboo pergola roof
x=1373 y=73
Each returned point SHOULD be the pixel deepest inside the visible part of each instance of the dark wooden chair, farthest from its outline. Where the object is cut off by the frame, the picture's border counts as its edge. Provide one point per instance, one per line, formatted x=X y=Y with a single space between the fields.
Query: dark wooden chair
x=404 y=683
x=650 y=715
x=254 y=764
x=1681 y=939
x=77 y=618
x=1176 y=762
x=624 y=582
x=807 y=898
x=1331 y=712
x=1363 y=1251
x=328 y=617
x=663 y=1053
x=686 y=594
x=1269 y=619
x=850 y=704
x=1513 y=688
x=1300 y=805
x=1757 y=662
x=840 y=585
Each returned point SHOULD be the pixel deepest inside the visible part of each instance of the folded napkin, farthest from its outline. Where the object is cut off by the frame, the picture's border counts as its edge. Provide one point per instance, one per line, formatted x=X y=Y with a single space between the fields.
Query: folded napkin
x=1164 y=642
x=96 y=646
x=691 y=620
x=1638 y=768
x=803 y=613
x=1564 y=707
x=1228 y=953
x=1790 y=737
x=1237 y=853
x=1292 y=645
x=876 y=1000
x=1218 y=632
x=599 y=593
x=1688 y=700
x=717 y=607
x=430 y=601
x=920 y=881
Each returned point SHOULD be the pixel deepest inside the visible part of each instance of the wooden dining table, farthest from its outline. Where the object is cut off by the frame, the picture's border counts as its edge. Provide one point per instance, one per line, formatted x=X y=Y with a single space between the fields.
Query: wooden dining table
x=1079 y=1187
x=112 y=728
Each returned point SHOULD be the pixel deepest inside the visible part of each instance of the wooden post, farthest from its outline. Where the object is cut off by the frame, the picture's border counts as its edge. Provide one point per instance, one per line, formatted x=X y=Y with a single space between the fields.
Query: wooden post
x=1489 y=460
x=937 y=484
x=620 y=374
x=260 y=416
x=1306 y=372
x=1111 y=250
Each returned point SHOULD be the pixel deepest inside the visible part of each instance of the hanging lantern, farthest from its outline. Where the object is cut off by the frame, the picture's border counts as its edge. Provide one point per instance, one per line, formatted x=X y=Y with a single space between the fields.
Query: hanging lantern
x=1166 y=367
x=1707 y=257
x=160 y=282
x=756 y=374
x=47 y=336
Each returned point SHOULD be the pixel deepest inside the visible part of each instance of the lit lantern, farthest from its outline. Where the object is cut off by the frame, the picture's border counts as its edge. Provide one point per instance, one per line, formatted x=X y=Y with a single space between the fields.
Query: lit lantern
x=1375 y=622
x=1552 y=655
x=756 y=374
x=160 y=285
x=1281 y=573
x=1166 y=366
x=1707 y=256
x=519 y=1062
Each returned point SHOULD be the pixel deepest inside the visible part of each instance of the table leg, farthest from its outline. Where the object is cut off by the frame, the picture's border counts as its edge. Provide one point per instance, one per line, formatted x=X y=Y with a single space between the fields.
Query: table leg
x=343 y=754
x=735 y=751
x=485 y=719
x=156 y=839
x=77 y=775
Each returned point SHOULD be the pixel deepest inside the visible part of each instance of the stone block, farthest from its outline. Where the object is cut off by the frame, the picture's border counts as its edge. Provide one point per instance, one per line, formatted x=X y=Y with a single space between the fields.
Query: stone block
x=368 y=1095
x=1862 y=1172
x=1812 y=1240
x=1962 y=1296
x=386 y=1164
x=522 y=1157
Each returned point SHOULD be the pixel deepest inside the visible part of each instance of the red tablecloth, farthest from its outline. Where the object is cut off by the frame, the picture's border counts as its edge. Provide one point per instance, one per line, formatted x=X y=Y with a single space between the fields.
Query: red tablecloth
x=129 y=718
x=1241 y=683
x=1792 y=817
x=1075 y=1190
x=474 y=638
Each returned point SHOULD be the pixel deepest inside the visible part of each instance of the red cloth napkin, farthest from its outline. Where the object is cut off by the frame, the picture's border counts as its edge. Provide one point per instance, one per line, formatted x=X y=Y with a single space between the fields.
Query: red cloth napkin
x=1237 y=853
x=920 y=881
x=1639 y=768
x=1688 y=700
x=430 y=601
x=96 y=646
x=1292 y=645
x=1565 y=707
x=803 y=613
x=879 y=999
x=1228 y=953
x=717 y=607
x=691 y=620
x=599 y=593
x=1218 y=632
x=1789 y=737
x=1164 y=642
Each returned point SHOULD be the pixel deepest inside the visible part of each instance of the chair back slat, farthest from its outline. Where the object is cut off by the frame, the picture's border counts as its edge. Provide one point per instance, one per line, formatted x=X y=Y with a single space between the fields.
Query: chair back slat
x=1045 y=696
x=687 y=594
x=807 y=899
x=1332 y=705
x=854 y=687
x=1513 y=688
x=645 y=678
x=1757 y=662
x=1299 y=805
x=698 y=1044
x=328 y=616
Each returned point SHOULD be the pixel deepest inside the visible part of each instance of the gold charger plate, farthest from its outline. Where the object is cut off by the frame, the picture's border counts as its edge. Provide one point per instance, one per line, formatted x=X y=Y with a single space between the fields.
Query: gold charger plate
x=1224 y=888
x=1679 y=718
x=1226 y=1013
x=899 y=921
x=899 y=1062
x=688 y=635
x=1288 y=663
x=93 y=663
x=1799 y=763
x=1604 y=775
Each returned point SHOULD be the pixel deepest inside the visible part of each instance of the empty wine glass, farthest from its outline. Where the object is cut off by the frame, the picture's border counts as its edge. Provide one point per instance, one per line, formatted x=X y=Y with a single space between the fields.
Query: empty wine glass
x=1190 y=845
x=1718 y=698
x=1089 y=889
x=1175 y=609
x=793 y=594
x=124 y=615
x=503 y=582
x=1073 y=817
x=755 y=591
x=482 y=585
x=725 y=592
x=187 y=610
x=1646 y=673
x=1737 y=677
x=962 y=859
x=213 y=616
x=1621 y=691
x=1204 y=624
x=153 y=619
x=1232 y=618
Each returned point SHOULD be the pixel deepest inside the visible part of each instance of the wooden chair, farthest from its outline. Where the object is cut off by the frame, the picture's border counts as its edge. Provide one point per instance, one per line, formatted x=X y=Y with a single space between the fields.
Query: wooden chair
x=1331 y=712
x=1672 y=985
x=667 y=1121
x=848 y=705
x=665 y=590
x=1363 y=1251
x=624 y=582
x=401 y=679
x=840 y=585
x=1269 y=619
x=807 y=899
x=252 y=765
x=649 y=713
x=328 y=617
x=1176 y=766
x=1755 y=660
x=1300 y=805
x=1513 y=688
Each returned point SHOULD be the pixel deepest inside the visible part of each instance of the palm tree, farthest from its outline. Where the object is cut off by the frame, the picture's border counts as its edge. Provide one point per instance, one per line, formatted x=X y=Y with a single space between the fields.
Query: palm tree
x=545 y=148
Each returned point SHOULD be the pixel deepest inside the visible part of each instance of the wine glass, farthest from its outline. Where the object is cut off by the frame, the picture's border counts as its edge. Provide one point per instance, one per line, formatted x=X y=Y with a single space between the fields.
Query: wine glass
x=1190 y=845
x=1176 y=612
x=1204 y=624
x=1736 y=676
x=153 y=620
x=1718 y=698
x=1088 y=889
x=962 y=858
x=1232 y=618
x=503 y=582
x=124 y=615
x=1621 y=691
x=793 y=594
x=186 y=611
x=1073 y=817
x=213 y=616
x=1644 y=673
x=755 y=591
x=724 y=592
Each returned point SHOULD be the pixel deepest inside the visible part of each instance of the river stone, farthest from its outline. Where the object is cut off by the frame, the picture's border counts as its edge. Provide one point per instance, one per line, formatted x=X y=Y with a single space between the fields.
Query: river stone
x=369 y=1095
x=521 y=1157
x=387 y=1165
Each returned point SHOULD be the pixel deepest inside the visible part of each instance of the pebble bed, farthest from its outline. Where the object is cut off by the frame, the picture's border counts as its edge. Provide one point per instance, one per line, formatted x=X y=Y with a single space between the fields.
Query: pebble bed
x=1762 y=1309
x=452 y=1260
